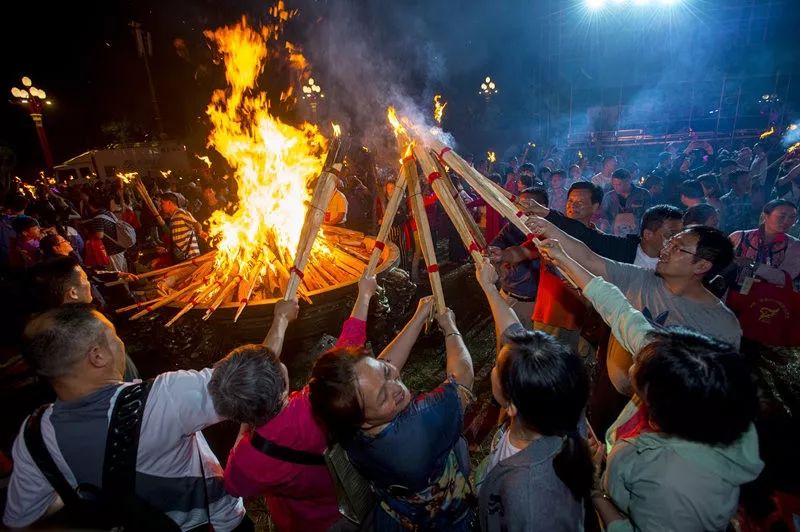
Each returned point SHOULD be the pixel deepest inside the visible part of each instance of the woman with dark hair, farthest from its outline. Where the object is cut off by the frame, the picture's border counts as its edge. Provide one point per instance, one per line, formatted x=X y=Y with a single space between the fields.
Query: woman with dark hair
x=538 y=475
x=685 y=443
x=702 y=214
x=768 y=252
x=408 y=447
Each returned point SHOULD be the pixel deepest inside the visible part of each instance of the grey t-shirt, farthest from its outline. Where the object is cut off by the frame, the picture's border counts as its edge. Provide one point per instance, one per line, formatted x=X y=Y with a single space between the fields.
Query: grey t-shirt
x=648 y=293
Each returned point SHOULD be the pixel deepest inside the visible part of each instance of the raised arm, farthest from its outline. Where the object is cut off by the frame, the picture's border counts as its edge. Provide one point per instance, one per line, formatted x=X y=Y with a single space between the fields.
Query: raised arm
x=398 y=350
x=503 y=315
x=627 y=324
x=285 y=312
x=459 y=361
x=574 y=248
x=354 y=329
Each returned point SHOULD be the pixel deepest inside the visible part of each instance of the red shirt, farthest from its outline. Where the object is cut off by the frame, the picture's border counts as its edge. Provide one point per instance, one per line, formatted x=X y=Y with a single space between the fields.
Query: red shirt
x=299 y=497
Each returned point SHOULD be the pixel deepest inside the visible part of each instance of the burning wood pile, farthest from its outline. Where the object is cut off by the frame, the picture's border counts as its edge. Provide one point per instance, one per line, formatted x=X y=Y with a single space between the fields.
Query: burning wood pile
x=268 y=248
x=278 y=218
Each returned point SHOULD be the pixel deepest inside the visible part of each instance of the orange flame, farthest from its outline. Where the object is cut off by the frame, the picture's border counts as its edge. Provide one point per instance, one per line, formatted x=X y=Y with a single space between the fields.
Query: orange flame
x=491 y=156
x=337 y=131
x=438 y=108
x=128 y=177
x=767 y=133
x=391 y=115
x=205 y=159
x=793 y=148
x=273 y=162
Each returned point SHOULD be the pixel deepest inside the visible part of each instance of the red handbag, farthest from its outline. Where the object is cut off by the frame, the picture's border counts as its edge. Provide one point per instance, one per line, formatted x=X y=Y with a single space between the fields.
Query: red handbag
x=94 y=254
x=765 y=312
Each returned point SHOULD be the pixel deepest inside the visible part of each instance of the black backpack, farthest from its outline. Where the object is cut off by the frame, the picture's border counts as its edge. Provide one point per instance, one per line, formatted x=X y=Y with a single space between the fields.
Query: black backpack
x=116 y=504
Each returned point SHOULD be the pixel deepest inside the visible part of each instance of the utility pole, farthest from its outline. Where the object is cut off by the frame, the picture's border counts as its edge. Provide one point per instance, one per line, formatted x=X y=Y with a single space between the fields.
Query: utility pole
x=144 y=45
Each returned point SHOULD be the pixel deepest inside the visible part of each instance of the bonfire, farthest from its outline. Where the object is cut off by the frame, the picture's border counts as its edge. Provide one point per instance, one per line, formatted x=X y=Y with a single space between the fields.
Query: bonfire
x=268 y=248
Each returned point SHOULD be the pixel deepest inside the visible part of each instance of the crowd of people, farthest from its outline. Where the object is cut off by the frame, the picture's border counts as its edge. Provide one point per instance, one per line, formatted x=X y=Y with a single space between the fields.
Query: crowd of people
x=662 y=274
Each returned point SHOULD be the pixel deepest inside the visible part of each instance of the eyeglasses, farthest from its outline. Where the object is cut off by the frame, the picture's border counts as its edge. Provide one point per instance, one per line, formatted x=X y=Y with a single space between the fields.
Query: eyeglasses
x=672 y=246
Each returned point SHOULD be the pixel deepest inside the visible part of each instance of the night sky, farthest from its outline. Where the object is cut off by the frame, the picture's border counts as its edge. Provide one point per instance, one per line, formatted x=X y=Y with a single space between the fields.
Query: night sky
x=364 y=52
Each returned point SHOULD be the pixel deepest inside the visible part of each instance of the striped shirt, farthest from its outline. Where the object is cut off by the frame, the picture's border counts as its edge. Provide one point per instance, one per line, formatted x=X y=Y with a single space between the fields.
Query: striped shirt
x=184 y=240
x=176 y=471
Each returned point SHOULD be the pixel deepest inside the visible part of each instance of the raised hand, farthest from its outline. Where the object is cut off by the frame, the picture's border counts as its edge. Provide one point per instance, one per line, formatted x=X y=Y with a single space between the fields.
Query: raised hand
x=551 y=250
x=424 y=308
x=447 y=321
x=367 y=286
x=494 y=254
x=485 y=273
x=287 y=309
x=540 y=227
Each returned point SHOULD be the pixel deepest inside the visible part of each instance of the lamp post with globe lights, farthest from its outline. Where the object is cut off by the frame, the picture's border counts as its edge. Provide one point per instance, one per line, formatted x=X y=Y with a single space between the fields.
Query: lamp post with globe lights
x=34 y=99
x=488 y=88
x=313 y=93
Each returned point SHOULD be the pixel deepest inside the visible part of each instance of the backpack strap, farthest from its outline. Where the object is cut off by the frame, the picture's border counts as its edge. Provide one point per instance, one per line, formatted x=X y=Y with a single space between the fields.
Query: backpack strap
x=285 y=454
x=34 y=441
x=122 y=442
x=114 y=220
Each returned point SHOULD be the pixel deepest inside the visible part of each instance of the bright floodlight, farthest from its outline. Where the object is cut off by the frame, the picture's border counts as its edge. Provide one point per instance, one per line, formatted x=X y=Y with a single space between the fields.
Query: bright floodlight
x=15 y=92
x=488 y=79
x=310 y=81
x=595 y=4
x=26 y=81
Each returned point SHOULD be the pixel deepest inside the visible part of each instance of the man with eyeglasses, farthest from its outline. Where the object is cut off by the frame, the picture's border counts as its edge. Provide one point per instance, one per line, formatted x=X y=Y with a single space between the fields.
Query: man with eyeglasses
x=673 y=294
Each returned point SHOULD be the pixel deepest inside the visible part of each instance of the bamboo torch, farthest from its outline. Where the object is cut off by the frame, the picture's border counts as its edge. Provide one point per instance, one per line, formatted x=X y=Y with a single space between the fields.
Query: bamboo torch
x=493 y=197
x=476 y=231
x=424 y=231
x=388 y=218
x=323 y=193
x=437 y=182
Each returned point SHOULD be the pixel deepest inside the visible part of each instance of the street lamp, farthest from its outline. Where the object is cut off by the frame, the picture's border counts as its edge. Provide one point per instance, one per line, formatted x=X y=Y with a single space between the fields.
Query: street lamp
x=313 y=93
x=34 y=100
x=488 y=88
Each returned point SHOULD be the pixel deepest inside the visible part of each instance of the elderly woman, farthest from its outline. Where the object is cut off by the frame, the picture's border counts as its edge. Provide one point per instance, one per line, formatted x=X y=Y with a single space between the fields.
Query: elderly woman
x=279 y=450
x=767 y=251
x=408 y=446
x=683 y=446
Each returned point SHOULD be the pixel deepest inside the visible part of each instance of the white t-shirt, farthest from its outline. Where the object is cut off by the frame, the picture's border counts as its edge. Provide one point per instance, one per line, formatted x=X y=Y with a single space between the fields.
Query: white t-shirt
x=502 y=450
x=643 y=260
x=168 y=466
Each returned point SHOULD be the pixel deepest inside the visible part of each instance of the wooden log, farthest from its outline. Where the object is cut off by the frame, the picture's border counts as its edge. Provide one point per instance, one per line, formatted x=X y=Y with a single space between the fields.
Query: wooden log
x=250 y=285
x=336 y=230
x=195 y=301
x=223 y=295
x=137 y=306
x=197 y=261
x=426 y=240
x=437 y=182
x=166 y=300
